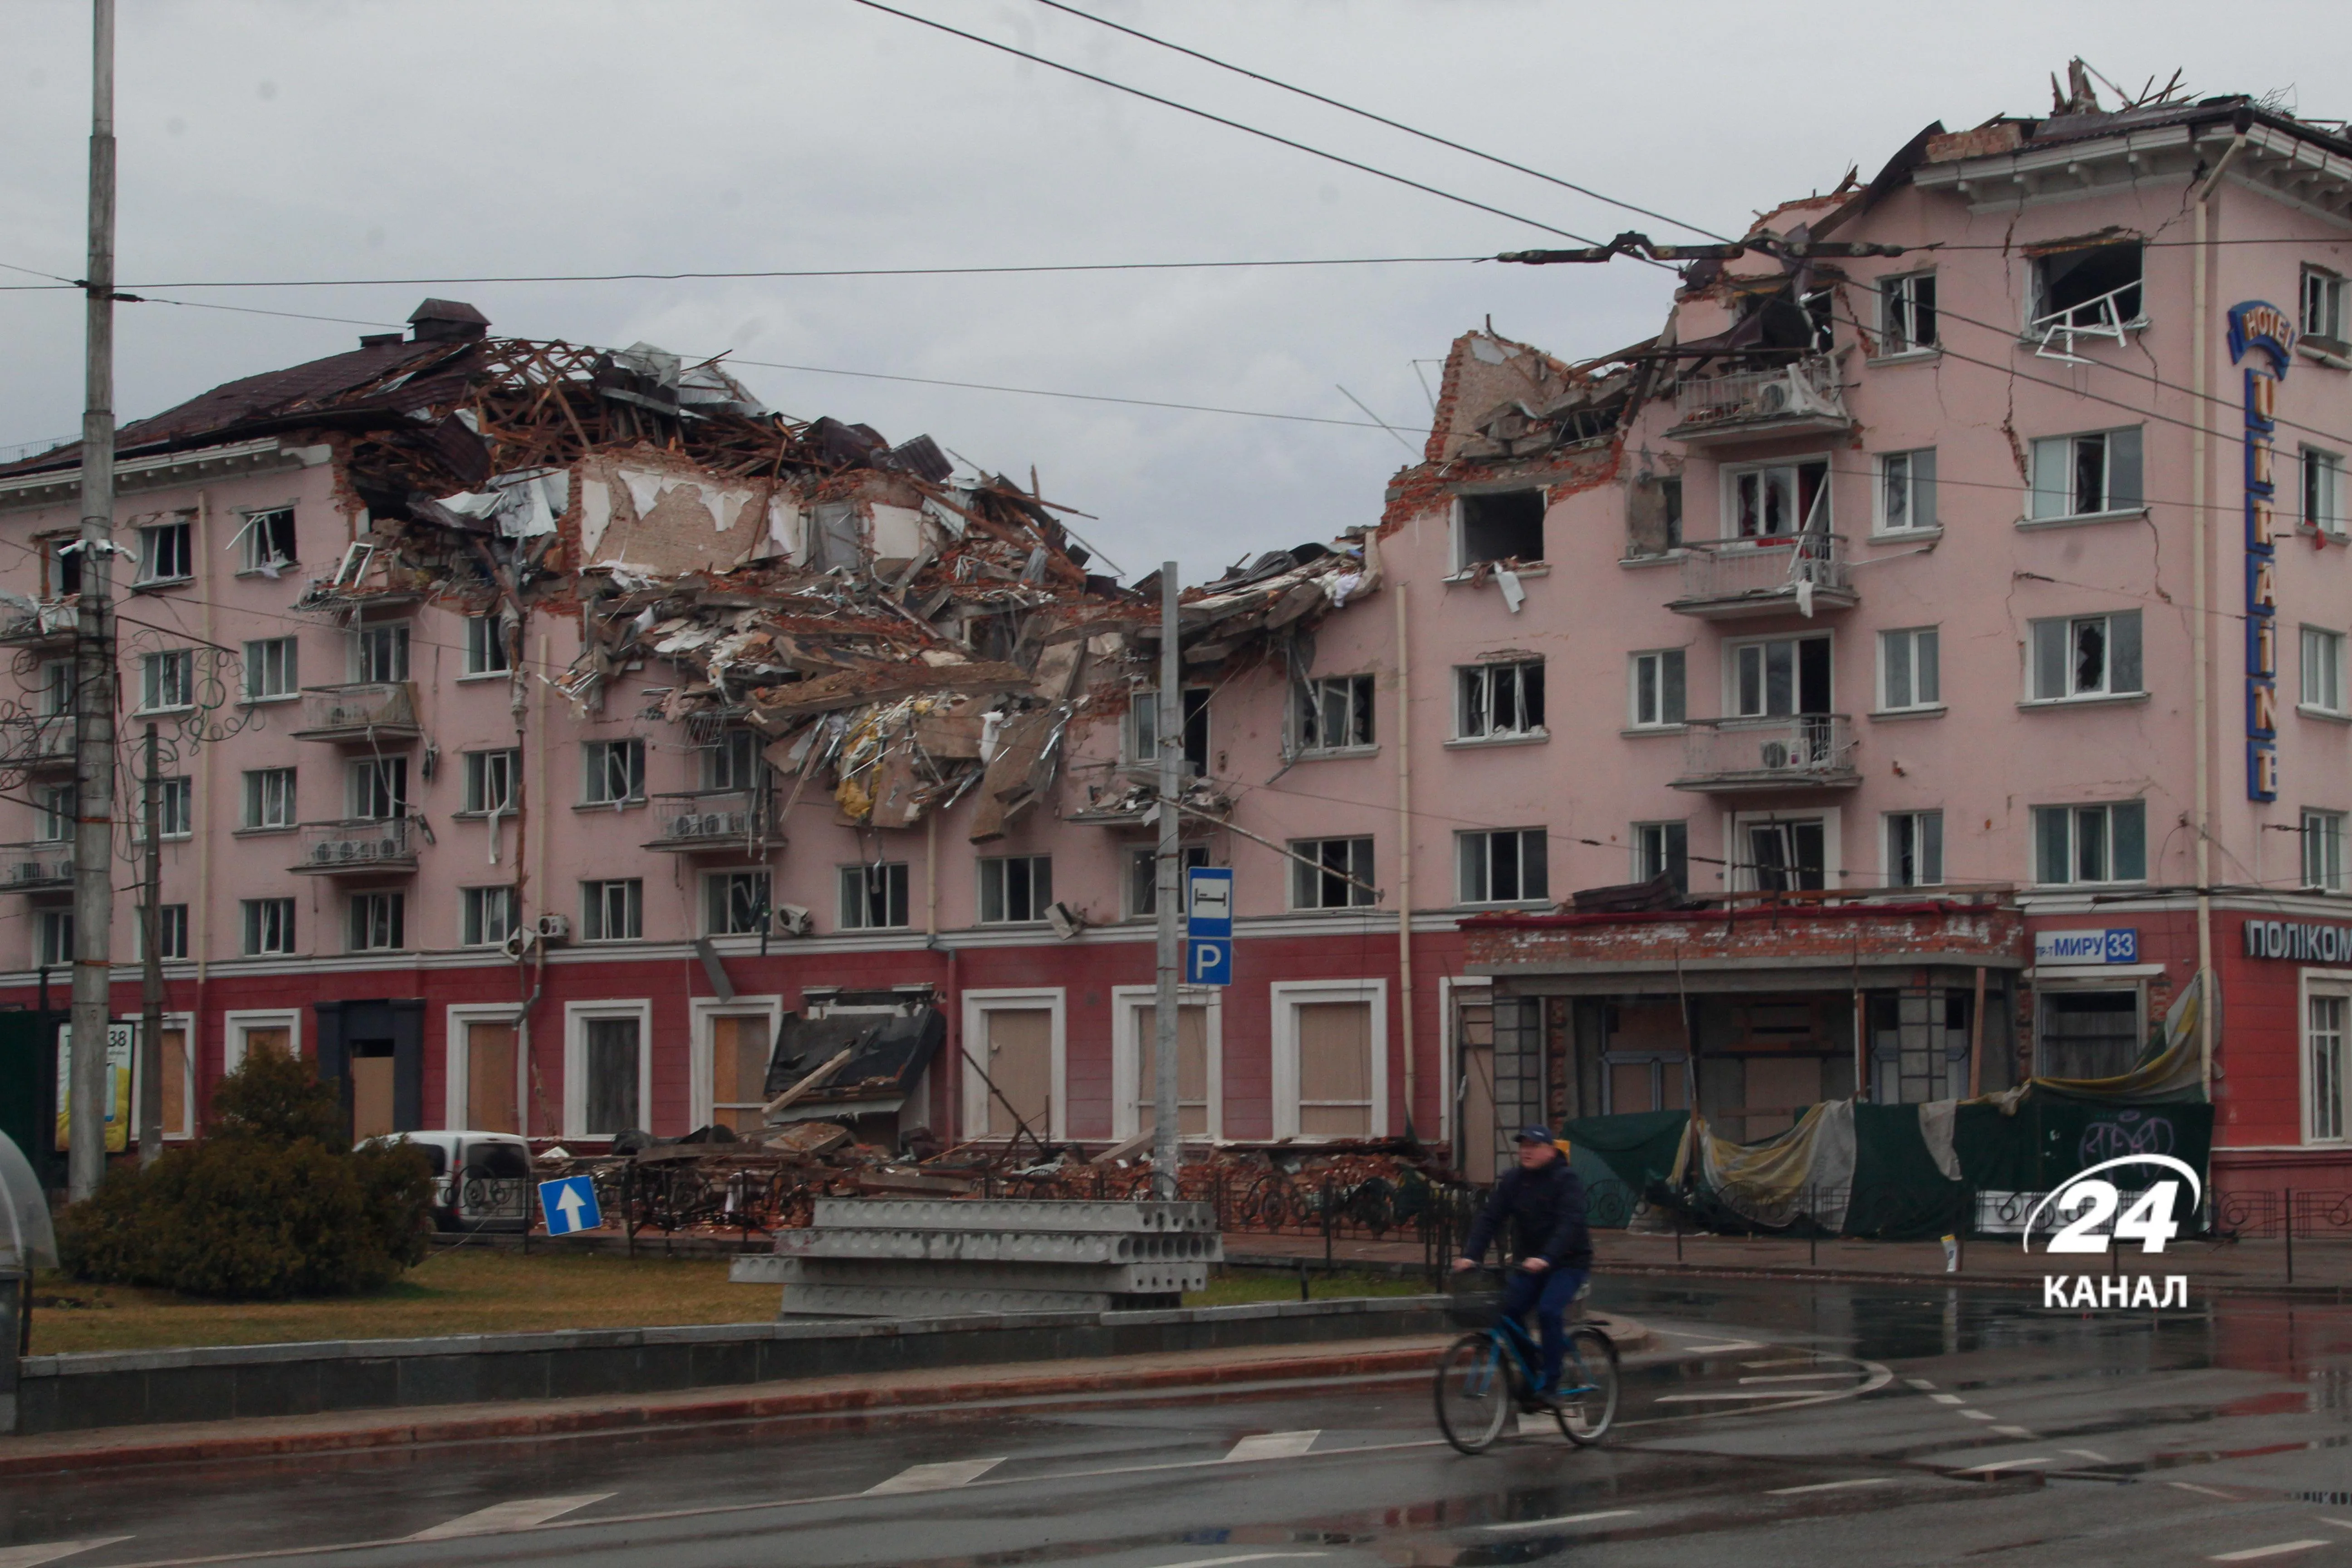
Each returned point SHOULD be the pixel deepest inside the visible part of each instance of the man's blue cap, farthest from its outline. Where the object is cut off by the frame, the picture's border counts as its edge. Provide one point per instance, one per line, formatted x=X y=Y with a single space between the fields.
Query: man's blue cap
x=1534 y=1135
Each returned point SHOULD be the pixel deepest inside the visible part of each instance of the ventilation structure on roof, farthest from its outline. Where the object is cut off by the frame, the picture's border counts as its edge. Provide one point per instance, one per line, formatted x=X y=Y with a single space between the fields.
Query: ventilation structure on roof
x=446 y=321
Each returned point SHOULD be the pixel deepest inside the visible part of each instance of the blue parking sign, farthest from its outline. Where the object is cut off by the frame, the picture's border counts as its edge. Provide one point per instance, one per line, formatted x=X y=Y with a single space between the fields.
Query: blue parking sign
x=1208 y=963
x=569 y=1204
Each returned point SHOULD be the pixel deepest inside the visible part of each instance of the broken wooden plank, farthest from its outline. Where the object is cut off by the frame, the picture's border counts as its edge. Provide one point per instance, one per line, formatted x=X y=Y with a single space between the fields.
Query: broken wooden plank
x=815 y=1081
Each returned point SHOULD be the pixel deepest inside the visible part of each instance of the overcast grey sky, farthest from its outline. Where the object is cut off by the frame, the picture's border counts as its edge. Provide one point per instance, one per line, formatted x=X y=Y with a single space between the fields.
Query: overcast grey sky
x=271 y=139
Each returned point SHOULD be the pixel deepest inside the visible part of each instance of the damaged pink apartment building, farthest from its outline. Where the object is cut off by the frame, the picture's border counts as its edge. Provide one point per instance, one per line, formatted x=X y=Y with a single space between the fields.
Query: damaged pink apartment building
x=1928 y=651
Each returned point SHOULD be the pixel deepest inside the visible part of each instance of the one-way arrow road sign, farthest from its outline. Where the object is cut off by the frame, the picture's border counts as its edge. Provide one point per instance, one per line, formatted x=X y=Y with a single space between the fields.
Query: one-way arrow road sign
x=569 y=1204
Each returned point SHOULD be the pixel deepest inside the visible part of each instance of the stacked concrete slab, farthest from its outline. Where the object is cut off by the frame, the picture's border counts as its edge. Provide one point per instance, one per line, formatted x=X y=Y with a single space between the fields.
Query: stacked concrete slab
x=922 y=1257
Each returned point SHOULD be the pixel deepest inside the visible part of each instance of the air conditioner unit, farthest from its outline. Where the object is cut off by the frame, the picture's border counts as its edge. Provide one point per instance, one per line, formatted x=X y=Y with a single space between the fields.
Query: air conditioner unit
x=1066 y=921
x=554 y=928
x=790 y=920
x=322 y=852
x=387 y=848
x=714 y=823
x=1776 y=755
x=1792 y=392
x=519 y=943
x=683 y=826
x=360 y=849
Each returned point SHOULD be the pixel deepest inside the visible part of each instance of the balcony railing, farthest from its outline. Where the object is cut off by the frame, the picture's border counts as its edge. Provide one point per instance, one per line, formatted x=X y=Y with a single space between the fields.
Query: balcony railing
x=1805 y=751
x=1793 y=573
x=36 y=740
x=356 y=848
x=370 y=710
x=42 y=867
x=2104 y=317
x=712 y=819
x=1794 y=399
x=45 y=623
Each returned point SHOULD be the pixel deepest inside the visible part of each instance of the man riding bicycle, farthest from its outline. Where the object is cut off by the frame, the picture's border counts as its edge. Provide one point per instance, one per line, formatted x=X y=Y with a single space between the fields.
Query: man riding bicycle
x=1544 y=1200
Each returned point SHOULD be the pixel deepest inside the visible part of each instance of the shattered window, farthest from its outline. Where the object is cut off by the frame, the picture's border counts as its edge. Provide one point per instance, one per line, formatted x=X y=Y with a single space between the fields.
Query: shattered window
x=269 y=926
x=1663 y=849
x=1495 y=700
x=1907 y=313
x=269 y=539
x=1335 y=713
x=380 y=652
x=488 y=916
x=1015 y=887
x=1330 y=873
x=1143 y=877
x=733 y=764
x=874 y=897
x=614 y=772
x=62 y=566
x=736 y=902
x=1503 y=868
x=1786 y=856
x=486 y=645
x=1508 y=526
x=377 y=922
x=1906 y=491
x=167 y=551
x=493 y=780
x=379 y=788
x=2097 y=286
x=613 y=911
x=1143 y=729
x=2087 y=475
x=1774 y=502
x=1915 y=849
x=1781 y=677
x=2086 y=655
x=56 y=937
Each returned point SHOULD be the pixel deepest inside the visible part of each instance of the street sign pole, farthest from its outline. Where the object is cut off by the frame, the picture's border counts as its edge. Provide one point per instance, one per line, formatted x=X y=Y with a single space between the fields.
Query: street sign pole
x=1165 y=1149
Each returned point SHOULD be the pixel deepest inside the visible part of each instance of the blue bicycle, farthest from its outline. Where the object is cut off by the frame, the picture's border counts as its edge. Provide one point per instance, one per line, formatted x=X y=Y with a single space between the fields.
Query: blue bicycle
x=1486 y=1375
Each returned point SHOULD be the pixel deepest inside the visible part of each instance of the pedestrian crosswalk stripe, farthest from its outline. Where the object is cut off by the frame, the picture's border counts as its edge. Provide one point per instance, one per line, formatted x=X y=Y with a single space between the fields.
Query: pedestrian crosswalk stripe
x=1273 y=1445
x=50 y=1550
x=1832 y=1486
x=943 y=1476
x=1948 y=1399
x=1565 y=1519
x=516 y=1515
x=2276 y=1548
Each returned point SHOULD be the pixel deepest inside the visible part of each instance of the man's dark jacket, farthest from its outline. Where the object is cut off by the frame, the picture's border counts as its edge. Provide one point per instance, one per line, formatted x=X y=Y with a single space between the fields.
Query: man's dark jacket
x=1546 y=1208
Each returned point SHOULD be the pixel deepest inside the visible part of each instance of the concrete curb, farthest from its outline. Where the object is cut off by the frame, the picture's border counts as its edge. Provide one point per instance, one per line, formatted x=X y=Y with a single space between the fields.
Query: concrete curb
x=457 y=1428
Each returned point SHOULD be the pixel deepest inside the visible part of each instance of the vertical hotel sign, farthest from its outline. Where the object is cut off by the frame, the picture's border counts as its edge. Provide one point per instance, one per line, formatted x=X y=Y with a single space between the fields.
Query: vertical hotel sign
x=2262 y=332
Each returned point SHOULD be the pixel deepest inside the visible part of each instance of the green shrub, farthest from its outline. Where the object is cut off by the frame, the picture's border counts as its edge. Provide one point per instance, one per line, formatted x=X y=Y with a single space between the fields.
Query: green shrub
x=274 y=1204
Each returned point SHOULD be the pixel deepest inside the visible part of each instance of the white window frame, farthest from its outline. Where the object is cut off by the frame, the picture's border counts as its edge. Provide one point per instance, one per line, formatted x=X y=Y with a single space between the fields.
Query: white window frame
x=475 y=770
x=1731 y=651
x=595 y=771
x=2107 y=510
x=2322 y=503
x=372 y=783
x=456 y=1045
x=287 y=688
x=1131 y=905
x=1917 y=466
x=1663 y=826
x=1315 y=692
x=1311 y=849
x=2330 y=879
x=1899 y=311
x=486 y=649
x=2332 y=644
x=840 y=902
x=47 y=921
x=1912 y=635
x=255 y=796
x=2110 y=692
x=1285 y=997
x=403 y=639
x=149 y=546
x=1127 y=1056
x=1483 y=672
x=998 y=865
x=2074 y=847
x=703 y=1013
x=977 y=1006
x=2338 y=304
x=236 y=1025
x=471 y=898
x=1740 y=877
x=258 y=559
x=1886 y=821
x=1449 y=987
x=600 y=882
x=1732 y=473
x=268 y=952
x=1659 y=657
x=406 y=943
x=2311 y=983
x=717 y=876
x=151 y=683
x=1461 y=850
x=576 y=1018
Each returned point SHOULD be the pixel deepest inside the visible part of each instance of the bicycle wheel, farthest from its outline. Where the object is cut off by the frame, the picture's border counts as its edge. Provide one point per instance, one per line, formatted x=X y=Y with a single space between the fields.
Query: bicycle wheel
x=1474 y=1392
x=1587 y=1397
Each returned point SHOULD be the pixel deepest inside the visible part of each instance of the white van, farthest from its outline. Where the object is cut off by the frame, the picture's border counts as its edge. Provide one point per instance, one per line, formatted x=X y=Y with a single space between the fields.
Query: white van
x=481 y=1181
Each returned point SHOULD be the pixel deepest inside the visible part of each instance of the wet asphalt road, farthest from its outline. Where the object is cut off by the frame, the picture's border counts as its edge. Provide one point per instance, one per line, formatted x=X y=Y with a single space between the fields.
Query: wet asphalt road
x=1775 y=1424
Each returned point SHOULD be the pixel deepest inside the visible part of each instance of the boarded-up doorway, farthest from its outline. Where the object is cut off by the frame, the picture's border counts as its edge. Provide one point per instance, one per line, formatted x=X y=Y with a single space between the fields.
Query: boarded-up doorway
x=1020 y=1062
x=1334 y=1069
x=739 y=1069
x=491 y=1092
x=1191 y=1068
x=372 y=1081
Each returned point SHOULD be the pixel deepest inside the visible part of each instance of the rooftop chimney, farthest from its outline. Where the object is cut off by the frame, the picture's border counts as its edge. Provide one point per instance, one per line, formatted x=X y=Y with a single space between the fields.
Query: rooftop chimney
x=378 y=340
x=448 y=322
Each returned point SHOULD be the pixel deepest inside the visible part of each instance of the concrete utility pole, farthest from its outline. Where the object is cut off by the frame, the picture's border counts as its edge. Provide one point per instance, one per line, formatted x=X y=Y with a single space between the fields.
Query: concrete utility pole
x=1165 y=1151
x=151 y=969
x=93 y=901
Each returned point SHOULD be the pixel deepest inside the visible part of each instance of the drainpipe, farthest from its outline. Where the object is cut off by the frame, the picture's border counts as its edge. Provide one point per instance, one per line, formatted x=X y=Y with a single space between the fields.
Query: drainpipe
x=1404 y=847
x=2200 y=589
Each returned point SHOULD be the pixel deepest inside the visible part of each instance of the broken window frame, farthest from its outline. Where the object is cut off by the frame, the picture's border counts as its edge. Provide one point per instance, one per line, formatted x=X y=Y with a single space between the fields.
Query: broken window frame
x=613 y=773
x=493 y=782
x=378 y=788
x=380 y=652
x=2115 y=312
x=2077 y=659
x=167 y=553
x=273 y=669
x=488 y=916
x=2093 y=844
x=1907 y=315
x=269 y=799
x=1659 y=694
x=1333 y=715
x=1015 y=889
x=486 y=647
x=1756 y=496
x=1319 y=869
x=268 y=540
x=62 y=566
x=1907 y=493
x=1910 y=670
x=1500 y=699
x=1143 y=877
x=376 y=922
x=2325 y=309
x=873 y=895
x=1661 y=848
x=1143 y=729
x=2063 y=481
x=1494 y=549
x=1915 y=849
x=1774 y=853
x=737 y=902
x=613 y=910
x=1502 y=865
x=269 y=926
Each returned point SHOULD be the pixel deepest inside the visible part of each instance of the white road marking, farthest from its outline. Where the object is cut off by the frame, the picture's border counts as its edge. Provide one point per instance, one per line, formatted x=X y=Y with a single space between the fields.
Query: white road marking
x=1745 y=1393
x=1273 y=1446
x=1977 y=1414
x=50 y=1550
x=2013 y=1431
x=2008 y=1465
x=1921 y=1384
x=2338 y=1523
x=1536 y=1422
x=1245 y=1557
x=2091 y=1454
x=1948 y=1399
x=1831 y=1485
x=1796 y=1377
x=1727 y=1345
x=1784 y=1361
x=509 y=1516
x=2276 y=1548
x=1566 y=1519
x=943 y=1476
x=2209 y=1491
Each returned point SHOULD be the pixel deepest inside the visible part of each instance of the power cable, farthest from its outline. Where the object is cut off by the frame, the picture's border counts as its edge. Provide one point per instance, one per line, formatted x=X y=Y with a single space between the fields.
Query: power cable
x=1221 y=119
x=1077 y=396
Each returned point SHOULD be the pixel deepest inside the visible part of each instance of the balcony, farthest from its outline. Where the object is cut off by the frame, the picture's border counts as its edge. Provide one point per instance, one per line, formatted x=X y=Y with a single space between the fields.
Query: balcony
x=1736 y=578
x=358 y=848
x=45 y=865
x=1734 y=756
x=361 y=714
x=47 y=623
x=713 y=822
x=1802 y=398
x=38 y=741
